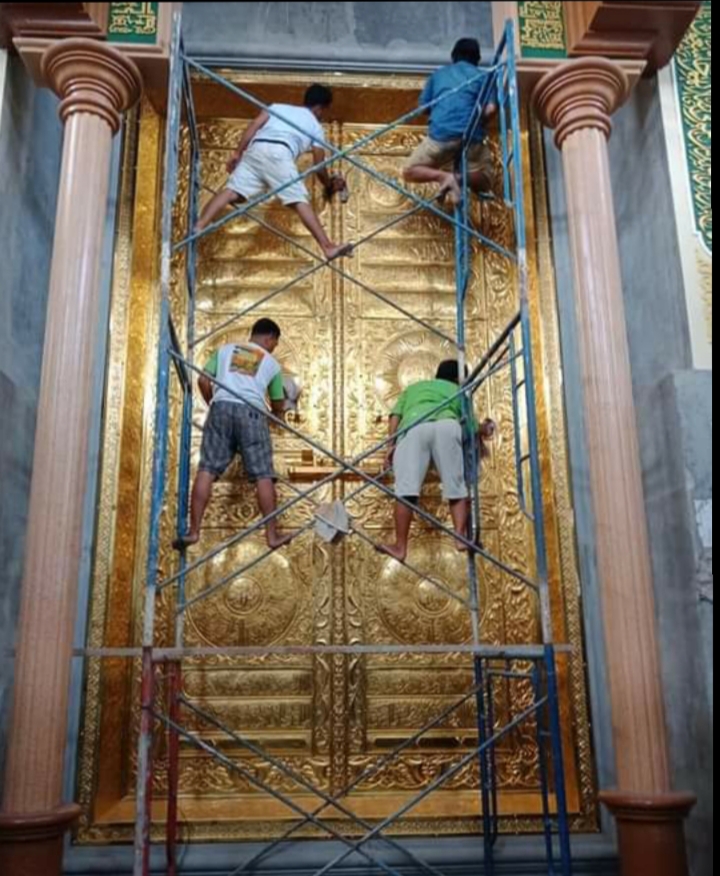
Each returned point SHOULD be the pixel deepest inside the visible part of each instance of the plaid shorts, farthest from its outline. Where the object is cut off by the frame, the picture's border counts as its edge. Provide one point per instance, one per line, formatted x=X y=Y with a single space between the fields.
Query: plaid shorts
x=231 y=428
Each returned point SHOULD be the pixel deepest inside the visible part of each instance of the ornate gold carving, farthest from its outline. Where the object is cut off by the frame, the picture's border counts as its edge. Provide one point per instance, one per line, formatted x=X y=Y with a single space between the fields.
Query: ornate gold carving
x=567 y=613
x=121 y=537
x=693 y=64
x=329 y=717
x=133 y=22
x=704 y=265
x=107 y=520
x=542 y=30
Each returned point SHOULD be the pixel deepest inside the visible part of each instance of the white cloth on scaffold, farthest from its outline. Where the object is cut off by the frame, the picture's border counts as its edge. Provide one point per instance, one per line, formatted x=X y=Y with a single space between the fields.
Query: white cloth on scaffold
x=332 y=521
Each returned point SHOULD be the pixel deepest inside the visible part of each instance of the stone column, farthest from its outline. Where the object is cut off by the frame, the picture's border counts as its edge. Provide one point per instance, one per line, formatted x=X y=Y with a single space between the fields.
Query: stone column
x=577 y=100
x=96 y=84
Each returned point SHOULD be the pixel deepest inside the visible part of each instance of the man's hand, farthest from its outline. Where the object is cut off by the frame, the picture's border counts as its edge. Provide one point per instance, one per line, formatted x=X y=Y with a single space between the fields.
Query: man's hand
x=490 y=111
x=246 y=139
x=486 y=433
x=278 y=410
x=335 y=185
x=388 y=459
x=338 y=183
x=487 y=429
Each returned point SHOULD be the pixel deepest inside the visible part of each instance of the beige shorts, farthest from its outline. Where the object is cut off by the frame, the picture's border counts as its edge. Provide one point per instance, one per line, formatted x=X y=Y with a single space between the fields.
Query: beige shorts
x=439 y=442
x=430 y=153
x=267 y=166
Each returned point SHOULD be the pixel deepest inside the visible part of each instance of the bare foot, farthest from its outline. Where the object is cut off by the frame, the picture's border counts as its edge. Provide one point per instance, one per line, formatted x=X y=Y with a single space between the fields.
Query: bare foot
x=392 y=550
x=450 y=187
x=463 y=547
x=337 y=251
x=185 y=541
x=278 y=541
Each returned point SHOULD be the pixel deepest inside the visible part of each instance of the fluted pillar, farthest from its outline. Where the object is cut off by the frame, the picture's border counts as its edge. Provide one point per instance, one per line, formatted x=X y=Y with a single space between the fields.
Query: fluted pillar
x=96 y=85
x=577 y=100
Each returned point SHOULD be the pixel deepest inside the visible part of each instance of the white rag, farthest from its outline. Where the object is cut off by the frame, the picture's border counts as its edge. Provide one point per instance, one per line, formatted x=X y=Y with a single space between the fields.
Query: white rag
x=292 y=393
x=332 y=522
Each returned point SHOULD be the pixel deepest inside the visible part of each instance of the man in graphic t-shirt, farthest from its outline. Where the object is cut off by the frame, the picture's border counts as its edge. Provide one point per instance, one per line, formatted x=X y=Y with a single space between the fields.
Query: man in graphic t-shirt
x=248 y=374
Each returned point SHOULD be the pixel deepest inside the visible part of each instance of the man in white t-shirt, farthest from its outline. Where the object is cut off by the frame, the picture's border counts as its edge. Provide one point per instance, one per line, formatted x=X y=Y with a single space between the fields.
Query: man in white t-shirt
x=266 y=159
x=247 y=374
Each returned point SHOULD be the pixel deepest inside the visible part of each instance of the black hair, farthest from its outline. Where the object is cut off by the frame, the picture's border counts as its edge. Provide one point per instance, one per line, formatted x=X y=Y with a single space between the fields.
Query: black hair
x=466 y=49
x=266 y=328
x=448 y=370
x=317 y=95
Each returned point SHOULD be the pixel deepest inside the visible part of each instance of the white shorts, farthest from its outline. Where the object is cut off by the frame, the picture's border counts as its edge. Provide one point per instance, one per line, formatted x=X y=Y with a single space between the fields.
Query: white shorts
x=440 y=442
x=266 y=166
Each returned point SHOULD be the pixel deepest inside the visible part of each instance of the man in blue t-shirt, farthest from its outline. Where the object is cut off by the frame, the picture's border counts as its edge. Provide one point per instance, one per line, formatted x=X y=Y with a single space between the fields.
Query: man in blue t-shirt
x=449 y=119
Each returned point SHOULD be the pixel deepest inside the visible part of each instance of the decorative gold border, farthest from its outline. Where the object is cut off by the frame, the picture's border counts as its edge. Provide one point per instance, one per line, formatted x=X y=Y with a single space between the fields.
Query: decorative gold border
x=542 y=30
x=704 y=267
x=693 y=66
x=121 y=540
x=133 y=22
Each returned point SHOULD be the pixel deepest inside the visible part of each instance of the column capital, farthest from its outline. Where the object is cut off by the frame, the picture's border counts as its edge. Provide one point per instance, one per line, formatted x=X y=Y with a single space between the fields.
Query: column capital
x=91 y=77
x=580 y=94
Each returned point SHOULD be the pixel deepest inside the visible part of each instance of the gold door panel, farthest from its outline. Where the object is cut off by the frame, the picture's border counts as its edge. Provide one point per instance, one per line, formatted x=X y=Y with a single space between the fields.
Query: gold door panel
x=328 y=717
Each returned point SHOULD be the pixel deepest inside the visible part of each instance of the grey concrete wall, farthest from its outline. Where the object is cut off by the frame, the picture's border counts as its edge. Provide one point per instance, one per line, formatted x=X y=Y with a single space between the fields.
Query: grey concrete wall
x=355 y=35
x=30 y=143
x=674 y=415
x=674 y=418
x=453 y=856
x=678 y=489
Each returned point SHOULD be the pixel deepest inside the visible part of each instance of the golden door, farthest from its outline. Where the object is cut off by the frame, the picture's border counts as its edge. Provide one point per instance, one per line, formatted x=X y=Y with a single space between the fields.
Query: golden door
x=327 y=717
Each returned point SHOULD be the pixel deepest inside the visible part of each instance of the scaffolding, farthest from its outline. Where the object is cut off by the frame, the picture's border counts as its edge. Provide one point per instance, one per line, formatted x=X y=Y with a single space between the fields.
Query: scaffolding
x=164 y=706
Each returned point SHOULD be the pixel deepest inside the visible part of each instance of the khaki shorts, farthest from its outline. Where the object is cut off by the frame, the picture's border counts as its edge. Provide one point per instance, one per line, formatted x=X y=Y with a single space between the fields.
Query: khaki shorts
x=430 y=153
x=267 y=166
x=439 y=442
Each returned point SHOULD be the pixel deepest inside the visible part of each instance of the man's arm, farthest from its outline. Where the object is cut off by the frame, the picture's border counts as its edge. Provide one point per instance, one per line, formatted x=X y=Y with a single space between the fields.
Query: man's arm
x=278 y=409
x=322 y=173
x=205 y=386
x=489 y=111
x=393 y=427
x=331 y=182
x=276 y=392
x=248 y=134
x=491 y=108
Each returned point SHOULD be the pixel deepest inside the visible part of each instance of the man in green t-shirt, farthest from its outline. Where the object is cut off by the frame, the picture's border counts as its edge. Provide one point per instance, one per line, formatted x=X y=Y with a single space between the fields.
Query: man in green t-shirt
x=247 y=373
x=437 y=439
